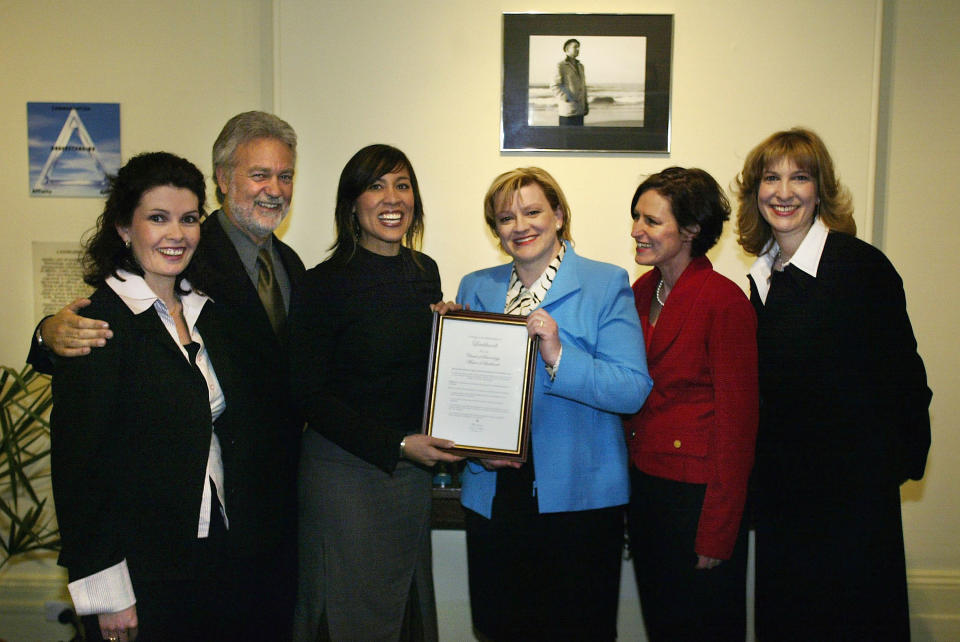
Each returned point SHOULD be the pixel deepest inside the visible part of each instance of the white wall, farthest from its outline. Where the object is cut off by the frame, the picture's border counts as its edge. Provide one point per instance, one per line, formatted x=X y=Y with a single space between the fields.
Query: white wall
x=425 y=75
x=179 y=69
x=920 y=162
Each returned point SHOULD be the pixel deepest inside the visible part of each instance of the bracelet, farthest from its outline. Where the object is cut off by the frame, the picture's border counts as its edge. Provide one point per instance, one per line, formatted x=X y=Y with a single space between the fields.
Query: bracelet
x=403 y=443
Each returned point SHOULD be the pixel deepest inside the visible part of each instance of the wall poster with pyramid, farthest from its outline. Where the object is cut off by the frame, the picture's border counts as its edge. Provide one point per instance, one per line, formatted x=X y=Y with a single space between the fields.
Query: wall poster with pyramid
x=73 y=148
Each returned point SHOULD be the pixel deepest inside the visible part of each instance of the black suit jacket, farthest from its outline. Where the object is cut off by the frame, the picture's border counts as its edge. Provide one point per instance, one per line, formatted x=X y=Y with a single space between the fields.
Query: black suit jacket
x=267 y=449
x=844 y=396
x=130 y=440
x=262 y=492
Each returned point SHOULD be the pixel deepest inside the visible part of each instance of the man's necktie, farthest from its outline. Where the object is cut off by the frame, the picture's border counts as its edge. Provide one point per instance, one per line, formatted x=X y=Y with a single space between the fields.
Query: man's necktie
x=269 y=291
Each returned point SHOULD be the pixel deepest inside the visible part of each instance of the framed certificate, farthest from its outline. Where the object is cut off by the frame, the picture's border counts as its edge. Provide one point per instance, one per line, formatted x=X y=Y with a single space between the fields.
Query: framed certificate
x=479 y=384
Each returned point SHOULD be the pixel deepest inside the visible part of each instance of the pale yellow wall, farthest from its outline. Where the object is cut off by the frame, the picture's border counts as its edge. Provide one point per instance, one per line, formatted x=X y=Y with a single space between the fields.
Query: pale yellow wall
x=919 y=163
x=425 y=75
x=178 y=68
x=921 y=235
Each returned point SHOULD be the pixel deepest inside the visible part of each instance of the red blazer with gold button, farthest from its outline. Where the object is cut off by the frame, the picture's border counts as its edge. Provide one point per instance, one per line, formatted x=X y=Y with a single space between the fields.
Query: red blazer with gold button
x=699 y=424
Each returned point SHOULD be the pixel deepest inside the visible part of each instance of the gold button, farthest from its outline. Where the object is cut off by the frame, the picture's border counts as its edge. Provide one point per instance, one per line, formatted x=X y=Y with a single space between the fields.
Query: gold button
x=676 y=443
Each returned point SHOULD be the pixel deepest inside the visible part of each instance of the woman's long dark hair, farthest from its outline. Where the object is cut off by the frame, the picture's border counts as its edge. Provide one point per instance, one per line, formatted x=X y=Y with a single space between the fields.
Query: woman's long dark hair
x=105 y=250
x=361 y=171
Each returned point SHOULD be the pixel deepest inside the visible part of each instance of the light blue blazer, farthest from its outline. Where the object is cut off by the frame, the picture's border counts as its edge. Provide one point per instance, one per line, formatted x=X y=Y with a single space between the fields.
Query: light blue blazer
x=579 y=453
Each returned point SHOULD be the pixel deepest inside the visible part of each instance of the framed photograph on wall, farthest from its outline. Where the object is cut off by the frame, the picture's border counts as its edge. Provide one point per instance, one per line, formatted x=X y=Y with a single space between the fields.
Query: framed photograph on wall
x=586 y=82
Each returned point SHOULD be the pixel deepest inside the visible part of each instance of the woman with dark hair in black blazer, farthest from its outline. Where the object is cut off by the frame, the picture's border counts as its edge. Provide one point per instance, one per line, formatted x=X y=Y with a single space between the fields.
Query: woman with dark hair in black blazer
x=141 y=437
x=844 y=398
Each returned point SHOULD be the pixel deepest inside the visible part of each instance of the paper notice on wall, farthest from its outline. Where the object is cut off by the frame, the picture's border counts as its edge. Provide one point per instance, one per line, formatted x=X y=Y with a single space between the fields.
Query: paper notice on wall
x=57 y=276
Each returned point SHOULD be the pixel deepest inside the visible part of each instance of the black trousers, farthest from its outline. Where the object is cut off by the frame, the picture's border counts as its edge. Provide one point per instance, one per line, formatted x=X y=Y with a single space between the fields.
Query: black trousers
x=200 y=608
x=552 y=576
x=678 y=601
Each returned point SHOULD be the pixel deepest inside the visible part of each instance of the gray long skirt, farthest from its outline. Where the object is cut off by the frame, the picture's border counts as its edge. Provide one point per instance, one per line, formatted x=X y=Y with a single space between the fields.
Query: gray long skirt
x=364 y=545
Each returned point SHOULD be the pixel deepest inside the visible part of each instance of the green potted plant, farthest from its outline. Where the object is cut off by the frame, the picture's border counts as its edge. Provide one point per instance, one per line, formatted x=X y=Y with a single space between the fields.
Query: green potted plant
x=27 y=521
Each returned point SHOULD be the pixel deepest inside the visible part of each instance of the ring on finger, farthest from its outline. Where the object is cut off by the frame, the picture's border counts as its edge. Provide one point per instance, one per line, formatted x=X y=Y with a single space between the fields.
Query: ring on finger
x=541 y=323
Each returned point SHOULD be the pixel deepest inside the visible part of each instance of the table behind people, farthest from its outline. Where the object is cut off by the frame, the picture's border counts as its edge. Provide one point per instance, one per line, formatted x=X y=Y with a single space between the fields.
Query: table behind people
x=844 y=403
x=253 y=159
x=544 y=539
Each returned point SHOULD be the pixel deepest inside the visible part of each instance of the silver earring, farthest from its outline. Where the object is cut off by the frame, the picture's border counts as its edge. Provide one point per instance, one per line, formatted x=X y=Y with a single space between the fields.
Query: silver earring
x=126 y=244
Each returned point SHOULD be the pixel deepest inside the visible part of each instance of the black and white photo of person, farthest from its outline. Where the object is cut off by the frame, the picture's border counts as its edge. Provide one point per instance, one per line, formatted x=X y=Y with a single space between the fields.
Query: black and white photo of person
x=561 y=93
x=570 y=86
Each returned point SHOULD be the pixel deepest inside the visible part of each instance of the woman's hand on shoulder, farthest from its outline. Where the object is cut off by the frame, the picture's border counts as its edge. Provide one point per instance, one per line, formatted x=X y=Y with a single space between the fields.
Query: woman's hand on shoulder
x=443 y=307
x=121 y=625
x=428 y=450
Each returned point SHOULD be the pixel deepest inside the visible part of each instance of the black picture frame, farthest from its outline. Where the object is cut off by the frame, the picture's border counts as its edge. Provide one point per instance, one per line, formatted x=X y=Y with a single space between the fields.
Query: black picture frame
x=652 y=135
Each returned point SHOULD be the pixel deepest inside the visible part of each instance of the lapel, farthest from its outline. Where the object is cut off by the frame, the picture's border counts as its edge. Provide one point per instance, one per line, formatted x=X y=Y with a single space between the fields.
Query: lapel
x=680 y=307
x=574 y=66
x=566 y=282
x=215 y=339
x=148 y=326
x=291 y=262
x=229 y=284
x=492 y=291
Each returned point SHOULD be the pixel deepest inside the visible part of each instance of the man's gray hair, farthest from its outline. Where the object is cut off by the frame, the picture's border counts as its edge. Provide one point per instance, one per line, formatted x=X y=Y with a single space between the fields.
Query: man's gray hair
x=243 y=128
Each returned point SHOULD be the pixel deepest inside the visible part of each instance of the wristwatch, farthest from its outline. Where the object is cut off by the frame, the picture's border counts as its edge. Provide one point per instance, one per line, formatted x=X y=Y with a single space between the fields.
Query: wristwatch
x=39 y=337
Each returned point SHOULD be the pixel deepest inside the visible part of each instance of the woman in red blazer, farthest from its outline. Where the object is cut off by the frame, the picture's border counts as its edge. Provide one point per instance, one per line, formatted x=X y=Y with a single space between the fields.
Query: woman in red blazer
x=692 y=444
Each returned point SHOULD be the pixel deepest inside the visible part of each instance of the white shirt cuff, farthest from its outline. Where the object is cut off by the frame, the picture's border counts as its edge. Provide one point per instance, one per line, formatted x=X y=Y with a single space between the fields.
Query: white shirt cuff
x=552 y=370
x=107 y=591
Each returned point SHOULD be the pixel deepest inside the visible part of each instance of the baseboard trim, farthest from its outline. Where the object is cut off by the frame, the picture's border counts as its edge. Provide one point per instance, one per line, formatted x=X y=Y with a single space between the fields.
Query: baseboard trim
x=934 y=598
x=934 y=604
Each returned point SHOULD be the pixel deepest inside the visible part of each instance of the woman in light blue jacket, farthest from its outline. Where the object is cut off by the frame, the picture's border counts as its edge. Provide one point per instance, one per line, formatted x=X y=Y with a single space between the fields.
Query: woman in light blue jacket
x=544 y=538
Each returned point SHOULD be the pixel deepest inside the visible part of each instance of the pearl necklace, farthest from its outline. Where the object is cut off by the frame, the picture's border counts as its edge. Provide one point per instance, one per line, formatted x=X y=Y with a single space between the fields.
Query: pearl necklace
x=659 y=292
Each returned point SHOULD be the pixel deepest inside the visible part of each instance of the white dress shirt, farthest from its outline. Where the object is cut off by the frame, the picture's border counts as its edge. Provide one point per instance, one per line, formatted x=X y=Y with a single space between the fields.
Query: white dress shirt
x=806 y=258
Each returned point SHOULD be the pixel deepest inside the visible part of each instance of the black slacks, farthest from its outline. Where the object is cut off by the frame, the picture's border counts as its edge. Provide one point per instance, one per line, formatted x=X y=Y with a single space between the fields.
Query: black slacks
x=201 y=608
x=551 y=576
x=678 y=601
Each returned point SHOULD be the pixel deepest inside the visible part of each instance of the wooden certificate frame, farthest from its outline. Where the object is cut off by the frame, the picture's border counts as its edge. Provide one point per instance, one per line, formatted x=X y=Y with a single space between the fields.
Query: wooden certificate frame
x=480 y=384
